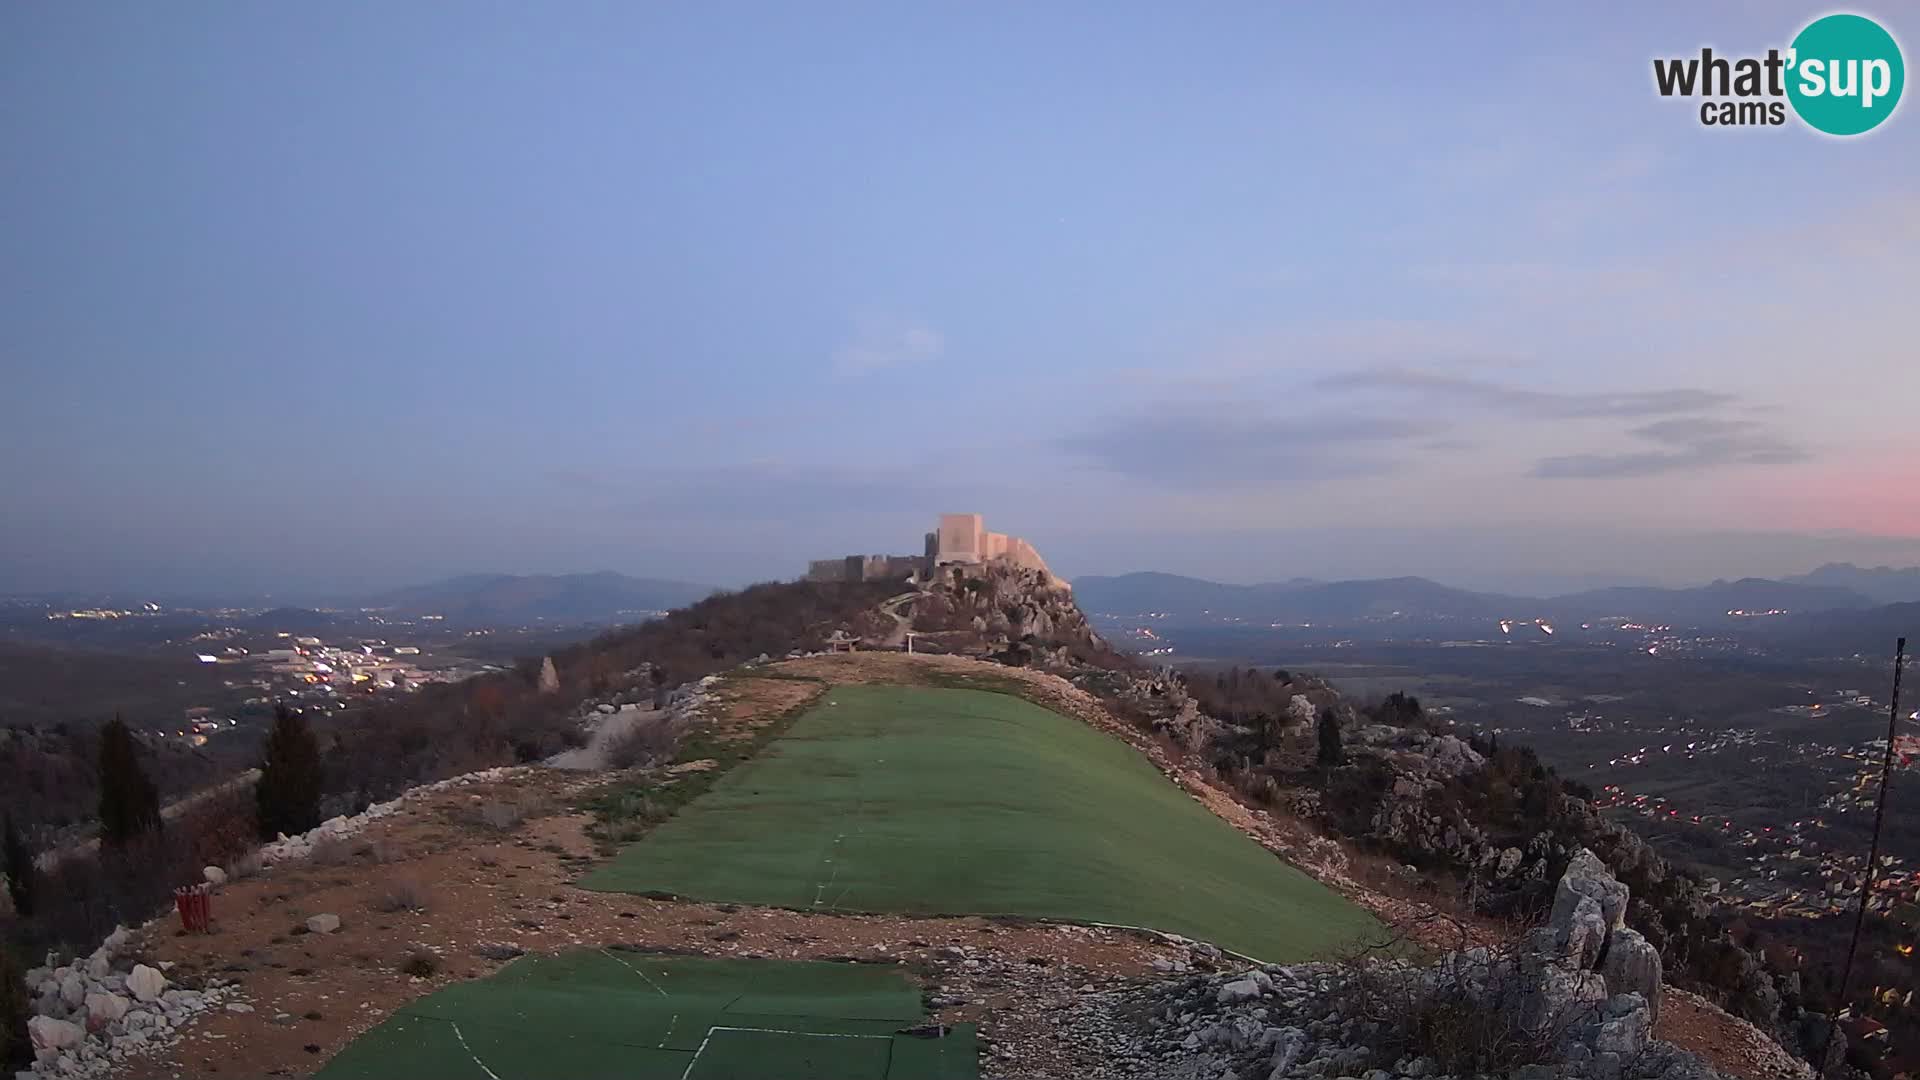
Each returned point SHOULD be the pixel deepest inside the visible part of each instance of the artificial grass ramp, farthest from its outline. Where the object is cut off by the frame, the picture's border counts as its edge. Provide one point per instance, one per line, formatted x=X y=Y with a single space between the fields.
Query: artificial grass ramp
x=924 y=801
x=639 y=1016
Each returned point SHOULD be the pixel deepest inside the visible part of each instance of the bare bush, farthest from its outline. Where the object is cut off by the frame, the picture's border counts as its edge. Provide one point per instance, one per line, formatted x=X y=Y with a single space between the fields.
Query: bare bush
x=646 y=742
x=420 y=963
x=1483 y=1010
x=401 y=894
x=500 y=815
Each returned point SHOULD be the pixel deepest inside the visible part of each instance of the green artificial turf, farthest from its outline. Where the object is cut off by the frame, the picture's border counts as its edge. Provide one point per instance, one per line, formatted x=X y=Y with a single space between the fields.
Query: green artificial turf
x=935 y=801
x=641 y=1016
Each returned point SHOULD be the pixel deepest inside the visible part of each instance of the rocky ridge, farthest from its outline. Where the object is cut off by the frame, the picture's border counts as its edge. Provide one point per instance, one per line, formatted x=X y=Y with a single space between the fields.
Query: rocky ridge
x=1576 y=998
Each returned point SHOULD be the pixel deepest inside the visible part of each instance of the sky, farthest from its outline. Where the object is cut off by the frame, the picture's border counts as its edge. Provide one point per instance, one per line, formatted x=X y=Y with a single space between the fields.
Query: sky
x=349 y=295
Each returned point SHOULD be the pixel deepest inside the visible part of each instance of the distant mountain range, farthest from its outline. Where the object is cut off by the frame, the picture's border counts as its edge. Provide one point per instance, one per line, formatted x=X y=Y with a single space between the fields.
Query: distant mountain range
x=1881 y=584
x=1415 y=598
x=496 y=598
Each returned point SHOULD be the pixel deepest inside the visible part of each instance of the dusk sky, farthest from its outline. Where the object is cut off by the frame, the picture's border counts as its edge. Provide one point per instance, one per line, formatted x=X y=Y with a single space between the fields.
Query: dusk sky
x=348 y=295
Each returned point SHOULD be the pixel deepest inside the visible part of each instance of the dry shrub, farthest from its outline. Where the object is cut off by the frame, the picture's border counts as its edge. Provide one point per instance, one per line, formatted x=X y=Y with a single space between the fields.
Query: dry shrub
x=646 y=742
x=420 y=963
x=331 y=851
x=220 y=828
x=500 y=815
x=401 y=894
x=1469 y=1016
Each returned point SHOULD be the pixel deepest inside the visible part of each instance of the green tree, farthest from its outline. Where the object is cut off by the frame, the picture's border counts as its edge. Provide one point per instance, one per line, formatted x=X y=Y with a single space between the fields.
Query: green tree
x=1331 y=753
x=129 y=803
x=288 y=793
x=20 y=871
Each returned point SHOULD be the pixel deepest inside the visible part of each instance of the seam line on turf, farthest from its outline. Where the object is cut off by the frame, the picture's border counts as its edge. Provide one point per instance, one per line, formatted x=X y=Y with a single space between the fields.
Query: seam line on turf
x=773 y=1031
x=470 y=1053
x=636 y=971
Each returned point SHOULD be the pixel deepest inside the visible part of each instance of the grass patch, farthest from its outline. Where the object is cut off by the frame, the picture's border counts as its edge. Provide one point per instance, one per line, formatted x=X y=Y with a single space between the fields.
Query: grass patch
x=958 y=801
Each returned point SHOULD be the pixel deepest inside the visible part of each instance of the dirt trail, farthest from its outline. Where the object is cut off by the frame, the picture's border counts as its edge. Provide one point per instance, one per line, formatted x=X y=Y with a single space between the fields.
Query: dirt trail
x=902 y=624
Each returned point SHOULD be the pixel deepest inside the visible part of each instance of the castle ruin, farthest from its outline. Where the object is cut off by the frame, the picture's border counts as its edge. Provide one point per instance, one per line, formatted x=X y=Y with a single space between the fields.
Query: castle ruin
x=960 y=539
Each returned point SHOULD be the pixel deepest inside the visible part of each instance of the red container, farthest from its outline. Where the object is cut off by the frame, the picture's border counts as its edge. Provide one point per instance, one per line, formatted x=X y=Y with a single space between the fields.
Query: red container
x=195 y=904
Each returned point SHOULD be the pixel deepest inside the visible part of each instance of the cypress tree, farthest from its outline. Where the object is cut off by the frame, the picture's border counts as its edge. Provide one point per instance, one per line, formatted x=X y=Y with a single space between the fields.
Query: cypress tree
x=129 y=803
x=20 y=870
x=1331 y=752
x=288 y=793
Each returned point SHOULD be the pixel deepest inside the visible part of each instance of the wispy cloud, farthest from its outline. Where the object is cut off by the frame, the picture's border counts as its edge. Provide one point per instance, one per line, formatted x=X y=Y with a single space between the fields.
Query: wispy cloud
x=1219 y=448
x=881 y=342
x=1525 y=403
x=1685 y=443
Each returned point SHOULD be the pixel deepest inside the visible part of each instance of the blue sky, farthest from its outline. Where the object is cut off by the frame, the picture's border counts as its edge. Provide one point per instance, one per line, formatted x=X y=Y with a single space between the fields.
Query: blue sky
x=348 y=295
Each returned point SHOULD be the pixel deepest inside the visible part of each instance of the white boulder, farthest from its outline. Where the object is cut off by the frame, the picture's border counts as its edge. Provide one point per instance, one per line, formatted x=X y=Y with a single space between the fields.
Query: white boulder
x=106 y=1008
x=214 y=875
x=55 y=1035
x=146 y=984
x=323 y=924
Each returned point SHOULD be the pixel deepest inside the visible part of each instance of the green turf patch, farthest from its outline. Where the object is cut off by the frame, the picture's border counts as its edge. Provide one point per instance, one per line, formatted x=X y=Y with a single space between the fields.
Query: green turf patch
x=942 y=801
x=625 y=811
x=749 y=1054
x=638 y=1016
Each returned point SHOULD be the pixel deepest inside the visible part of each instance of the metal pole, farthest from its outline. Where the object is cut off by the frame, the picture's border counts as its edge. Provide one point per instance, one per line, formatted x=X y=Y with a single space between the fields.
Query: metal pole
x=1873 y=852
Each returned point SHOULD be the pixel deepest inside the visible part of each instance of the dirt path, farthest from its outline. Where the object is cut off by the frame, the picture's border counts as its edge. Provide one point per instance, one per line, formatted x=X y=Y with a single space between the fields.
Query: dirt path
x=596 y=755
x=902 y=624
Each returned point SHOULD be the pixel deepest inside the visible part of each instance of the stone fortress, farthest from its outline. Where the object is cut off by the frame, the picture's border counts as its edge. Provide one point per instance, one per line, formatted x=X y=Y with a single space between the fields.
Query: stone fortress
x=960 y=539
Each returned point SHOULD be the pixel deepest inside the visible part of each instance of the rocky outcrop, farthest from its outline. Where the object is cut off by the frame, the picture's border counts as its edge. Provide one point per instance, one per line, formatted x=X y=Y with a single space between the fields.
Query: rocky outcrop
x=1575 y=998
x=90 y=1014
x=1020 y=615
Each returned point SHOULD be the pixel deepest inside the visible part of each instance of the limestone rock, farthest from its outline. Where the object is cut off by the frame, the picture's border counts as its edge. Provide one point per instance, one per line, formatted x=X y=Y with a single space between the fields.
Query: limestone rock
x=50 y=1034
x=1625 y=1035
x=214 y=875
x=106 y=1008
x=1632 y=966
x=1587 y=876
x=1585 y=934
x=325 y=923
x=146 y=984
x=1509 y=862
x=1238 y=991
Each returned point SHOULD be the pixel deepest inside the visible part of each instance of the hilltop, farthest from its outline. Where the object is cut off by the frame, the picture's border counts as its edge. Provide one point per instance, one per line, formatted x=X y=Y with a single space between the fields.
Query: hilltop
x=1432 y=835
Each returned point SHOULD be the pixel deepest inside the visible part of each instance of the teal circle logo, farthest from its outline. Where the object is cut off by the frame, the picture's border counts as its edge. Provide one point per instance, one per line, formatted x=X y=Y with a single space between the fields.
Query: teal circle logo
x=1845 y=74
